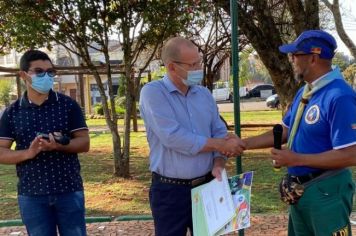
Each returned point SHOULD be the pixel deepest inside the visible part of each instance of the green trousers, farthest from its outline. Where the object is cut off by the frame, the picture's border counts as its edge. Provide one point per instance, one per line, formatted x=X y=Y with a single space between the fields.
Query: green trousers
x=324 y=209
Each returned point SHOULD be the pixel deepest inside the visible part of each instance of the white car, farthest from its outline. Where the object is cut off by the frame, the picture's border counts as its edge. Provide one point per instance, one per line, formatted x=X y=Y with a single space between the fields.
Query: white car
x=221 y=91
x=273 y=101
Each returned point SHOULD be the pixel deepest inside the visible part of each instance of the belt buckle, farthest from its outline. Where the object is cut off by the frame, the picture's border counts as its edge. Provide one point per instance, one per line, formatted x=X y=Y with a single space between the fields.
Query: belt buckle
x=198 y=181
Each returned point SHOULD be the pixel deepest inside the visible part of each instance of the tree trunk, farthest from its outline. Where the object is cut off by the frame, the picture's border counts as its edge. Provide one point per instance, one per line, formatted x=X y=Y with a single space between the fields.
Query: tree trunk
x=149 y=76
x=110 y=114
x=18 y=85
x=209 y=74
x=134 y=116
x=276 y=63
x=81 y=90
x=265 y=37
x=298 y=15
x=335 y=9
x=124 y=162
x=116 y=143
x=134 y=113
x=312 y=15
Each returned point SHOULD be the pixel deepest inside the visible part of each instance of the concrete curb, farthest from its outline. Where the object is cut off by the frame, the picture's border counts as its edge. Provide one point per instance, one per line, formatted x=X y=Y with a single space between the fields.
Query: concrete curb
x=133 y=217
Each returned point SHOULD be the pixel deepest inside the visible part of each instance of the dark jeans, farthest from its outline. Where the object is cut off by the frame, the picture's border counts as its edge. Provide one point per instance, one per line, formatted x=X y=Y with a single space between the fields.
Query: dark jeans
x=43 y=214
x=171 y=209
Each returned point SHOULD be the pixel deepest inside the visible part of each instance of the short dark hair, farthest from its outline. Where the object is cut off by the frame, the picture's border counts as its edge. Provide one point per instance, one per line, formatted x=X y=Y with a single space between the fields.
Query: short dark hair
x=32 y=55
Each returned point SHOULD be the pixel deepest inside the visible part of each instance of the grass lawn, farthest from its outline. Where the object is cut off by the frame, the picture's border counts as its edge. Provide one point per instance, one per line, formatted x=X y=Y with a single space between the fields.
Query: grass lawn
x=256 y=117
x=246 y=117
x=102 y=122
x=109 y=196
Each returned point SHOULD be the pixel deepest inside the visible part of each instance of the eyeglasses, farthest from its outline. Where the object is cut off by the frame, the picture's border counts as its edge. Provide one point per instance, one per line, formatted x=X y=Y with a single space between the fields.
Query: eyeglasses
x=300 y=54
x=192 y=65
x=293 y=55
x=41 y=72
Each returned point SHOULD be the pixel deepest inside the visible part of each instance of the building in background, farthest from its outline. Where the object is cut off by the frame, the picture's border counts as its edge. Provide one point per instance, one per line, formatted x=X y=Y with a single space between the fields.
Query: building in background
x=69 y=84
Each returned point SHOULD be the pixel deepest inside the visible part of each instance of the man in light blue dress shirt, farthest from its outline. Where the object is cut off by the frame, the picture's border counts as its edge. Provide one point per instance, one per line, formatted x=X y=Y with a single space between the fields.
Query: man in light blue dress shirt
x=185 y=134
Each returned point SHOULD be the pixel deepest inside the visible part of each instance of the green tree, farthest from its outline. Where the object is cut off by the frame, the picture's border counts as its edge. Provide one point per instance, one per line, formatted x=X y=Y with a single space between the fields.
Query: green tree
x=341 y=60
x=246 y=72
x=5 y=90
x=210 y=32
x=350 y=75
x=266 y=25
x=141 y=26
x=334 y=7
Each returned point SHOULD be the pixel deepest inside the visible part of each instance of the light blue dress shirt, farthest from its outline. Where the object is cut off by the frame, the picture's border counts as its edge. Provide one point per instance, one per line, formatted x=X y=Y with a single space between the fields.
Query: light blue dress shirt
x=178 y=127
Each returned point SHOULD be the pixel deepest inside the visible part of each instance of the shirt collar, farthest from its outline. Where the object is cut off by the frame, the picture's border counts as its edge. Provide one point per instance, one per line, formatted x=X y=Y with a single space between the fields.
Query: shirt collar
x=320 y=78
x=25 y=102
x=171 y=87
x=169 y=84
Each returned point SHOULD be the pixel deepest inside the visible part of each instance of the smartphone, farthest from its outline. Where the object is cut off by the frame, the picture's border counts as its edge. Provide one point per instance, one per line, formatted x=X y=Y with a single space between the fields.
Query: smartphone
x=62 y=139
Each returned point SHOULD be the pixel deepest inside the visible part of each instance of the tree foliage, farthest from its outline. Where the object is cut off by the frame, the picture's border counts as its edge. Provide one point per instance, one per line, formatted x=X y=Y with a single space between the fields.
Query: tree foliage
x=210 y=32
x=341 y=60
x=350 y=75
x=89 y=25
x=334 y=7
x=267 y=24
x=245 y=70
x=5 y=90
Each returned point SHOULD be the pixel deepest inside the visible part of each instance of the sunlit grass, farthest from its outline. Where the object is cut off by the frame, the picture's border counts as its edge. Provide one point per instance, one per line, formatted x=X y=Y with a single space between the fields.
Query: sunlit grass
x=246 y=117
x=256 y=117
x=102 y=122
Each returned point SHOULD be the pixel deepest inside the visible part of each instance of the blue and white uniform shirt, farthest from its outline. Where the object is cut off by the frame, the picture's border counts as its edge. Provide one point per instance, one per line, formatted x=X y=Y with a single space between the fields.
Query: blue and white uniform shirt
x=328 y=121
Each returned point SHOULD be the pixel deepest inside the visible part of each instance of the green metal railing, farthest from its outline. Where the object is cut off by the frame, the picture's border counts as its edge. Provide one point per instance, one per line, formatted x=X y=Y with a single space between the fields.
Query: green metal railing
x=94 y=219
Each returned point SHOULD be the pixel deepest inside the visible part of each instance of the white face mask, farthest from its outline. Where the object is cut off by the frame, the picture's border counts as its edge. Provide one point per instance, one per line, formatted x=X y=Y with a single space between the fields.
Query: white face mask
x=194 y=77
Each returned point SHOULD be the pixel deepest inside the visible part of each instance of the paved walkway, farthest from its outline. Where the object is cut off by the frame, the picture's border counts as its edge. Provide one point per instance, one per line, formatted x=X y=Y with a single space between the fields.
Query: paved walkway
x=261 y=225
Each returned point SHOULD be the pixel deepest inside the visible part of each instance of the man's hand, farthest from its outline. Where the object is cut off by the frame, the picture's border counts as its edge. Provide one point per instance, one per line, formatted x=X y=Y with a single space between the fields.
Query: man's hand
x=233 y=146
x=219 y=165
x=285 y=157
x=34 y=148
x=48 y=145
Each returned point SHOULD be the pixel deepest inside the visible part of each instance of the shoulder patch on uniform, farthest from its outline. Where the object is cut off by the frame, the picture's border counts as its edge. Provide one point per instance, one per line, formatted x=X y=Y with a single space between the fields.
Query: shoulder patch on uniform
x=353 y=126
x=312 y=115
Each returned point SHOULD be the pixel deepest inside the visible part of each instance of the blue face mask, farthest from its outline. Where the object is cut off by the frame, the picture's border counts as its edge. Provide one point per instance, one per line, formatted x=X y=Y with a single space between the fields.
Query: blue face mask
x=42 y=84
x=194 y=77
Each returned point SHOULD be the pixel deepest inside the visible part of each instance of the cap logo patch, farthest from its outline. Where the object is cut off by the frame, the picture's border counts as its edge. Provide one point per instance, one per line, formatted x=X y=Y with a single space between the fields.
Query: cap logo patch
x=312 y=115
x=316 y=50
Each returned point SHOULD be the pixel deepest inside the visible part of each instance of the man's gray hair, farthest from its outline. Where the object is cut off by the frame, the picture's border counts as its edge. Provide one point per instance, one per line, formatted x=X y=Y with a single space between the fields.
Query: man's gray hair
x=171 y=49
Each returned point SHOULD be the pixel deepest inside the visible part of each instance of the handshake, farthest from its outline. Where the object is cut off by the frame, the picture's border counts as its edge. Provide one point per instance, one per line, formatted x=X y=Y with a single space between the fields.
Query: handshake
x=232 y=145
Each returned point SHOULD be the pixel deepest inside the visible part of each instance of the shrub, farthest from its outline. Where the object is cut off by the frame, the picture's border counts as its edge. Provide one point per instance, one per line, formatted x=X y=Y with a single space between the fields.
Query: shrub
x=98 y=109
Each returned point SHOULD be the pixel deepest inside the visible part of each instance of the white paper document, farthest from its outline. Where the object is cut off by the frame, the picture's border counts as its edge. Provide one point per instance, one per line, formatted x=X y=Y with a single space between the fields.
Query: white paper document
x=222 y=207
x=218 y=203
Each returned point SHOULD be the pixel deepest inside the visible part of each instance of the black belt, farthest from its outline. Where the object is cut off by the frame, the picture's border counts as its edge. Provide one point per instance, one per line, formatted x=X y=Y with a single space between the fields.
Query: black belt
x=305 y=178
x=188 y=182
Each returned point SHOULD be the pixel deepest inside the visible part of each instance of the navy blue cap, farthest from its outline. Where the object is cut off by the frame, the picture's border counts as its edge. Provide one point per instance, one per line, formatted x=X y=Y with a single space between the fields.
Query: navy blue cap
x=312 y=42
